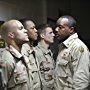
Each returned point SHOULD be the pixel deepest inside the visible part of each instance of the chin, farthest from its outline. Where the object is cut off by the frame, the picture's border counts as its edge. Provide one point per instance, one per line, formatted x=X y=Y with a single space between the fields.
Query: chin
x=35 y=39
x=26 y=40
x=51 y=41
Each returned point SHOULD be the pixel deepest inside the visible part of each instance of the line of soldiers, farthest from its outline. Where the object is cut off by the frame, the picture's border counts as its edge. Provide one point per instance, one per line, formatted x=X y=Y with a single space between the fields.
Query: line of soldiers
x=24 y=66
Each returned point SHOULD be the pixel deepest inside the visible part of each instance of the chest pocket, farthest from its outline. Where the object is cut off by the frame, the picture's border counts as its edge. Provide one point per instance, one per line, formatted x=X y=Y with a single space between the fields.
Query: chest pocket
x=63 y=63
x=64 y=57
x=47 y=67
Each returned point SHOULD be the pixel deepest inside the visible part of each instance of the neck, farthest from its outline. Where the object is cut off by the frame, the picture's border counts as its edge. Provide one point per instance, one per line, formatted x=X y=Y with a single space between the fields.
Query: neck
x=45 y=43
x=32 y=42
x=16 y=46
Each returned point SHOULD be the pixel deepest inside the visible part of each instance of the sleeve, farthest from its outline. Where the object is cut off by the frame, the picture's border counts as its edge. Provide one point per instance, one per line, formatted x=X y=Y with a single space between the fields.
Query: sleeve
x=81 y=74
x=6 y=66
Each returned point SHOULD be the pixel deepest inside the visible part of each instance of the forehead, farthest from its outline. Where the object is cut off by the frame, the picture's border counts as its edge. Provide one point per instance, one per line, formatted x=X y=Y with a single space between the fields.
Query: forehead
x=30 y=23
x=13 y=24
x=18 y=23
x=62 y=21
x=48 y=29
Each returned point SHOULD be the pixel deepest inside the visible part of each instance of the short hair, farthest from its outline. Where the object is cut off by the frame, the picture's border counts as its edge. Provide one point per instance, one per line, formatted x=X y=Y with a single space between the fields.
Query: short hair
x=42 y=29
x=24 y=20
x=7 y=26
x=71 y=20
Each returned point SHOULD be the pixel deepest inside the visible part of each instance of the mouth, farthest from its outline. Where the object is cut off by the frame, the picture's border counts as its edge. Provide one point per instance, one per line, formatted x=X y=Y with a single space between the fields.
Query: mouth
x=56 y=35
x=26 y=35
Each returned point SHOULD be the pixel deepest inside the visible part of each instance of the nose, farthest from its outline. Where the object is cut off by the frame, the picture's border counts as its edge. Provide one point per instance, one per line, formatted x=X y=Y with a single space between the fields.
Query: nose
x=35 y=29
x=25 y=30
x=56 y=29
x=53 y=34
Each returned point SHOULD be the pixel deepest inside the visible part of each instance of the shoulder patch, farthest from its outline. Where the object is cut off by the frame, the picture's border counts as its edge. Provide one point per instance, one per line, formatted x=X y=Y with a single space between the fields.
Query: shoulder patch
x=81 y=49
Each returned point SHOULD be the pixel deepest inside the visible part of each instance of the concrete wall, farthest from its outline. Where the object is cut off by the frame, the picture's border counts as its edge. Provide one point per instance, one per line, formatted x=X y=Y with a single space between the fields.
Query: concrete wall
x=18 y=9
x=39 y=10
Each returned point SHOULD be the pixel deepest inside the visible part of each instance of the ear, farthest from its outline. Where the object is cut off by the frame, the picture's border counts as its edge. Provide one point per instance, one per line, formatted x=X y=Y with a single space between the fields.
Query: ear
x=71 y=30
x=11 y=34
x=42 y=35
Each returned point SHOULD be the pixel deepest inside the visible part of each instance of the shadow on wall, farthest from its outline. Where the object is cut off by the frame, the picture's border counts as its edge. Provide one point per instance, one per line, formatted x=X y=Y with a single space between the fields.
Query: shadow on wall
x=87 y=42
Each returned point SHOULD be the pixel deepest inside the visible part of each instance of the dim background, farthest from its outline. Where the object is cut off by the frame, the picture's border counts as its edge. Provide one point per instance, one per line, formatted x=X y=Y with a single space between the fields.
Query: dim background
x=42 y=11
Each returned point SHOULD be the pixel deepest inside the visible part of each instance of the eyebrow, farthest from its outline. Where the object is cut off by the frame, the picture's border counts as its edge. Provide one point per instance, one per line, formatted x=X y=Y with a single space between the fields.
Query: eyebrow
x=51 y=32
x=60 y=26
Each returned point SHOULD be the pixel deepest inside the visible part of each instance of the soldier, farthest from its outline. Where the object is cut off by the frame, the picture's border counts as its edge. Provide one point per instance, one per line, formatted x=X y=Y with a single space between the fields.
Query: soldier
x=28 y=51
x=45 y=58
x=2 y=47
x=72 y=65
x=14 y=66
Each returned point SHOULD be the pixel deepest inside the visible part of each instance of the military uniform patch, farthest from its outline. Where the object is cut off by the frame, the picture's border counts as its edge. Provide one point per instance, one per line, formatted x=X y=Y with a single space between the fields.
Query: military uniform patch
x=81 y=49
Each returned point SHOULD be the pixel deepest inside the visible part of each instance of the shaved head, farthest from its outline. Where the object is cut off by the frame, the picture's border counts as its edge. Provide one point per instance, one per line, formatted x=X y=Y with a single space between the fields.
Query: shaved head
x=15 y=31
x=8 y=26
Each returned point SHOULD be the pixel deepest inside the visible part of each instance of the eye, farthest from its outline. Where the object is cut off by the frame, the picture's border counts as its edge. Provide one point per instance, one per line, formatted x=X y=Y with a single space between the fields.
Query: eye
x=50 y=32
x=21 y=27
x=32 y=28
x=60 y=26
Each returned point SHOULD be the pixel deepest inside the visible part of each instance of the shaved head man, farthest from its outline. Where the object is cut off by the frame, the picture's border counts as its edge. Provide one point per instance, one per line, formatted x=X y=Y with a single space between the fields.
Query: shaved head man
x=15 y=70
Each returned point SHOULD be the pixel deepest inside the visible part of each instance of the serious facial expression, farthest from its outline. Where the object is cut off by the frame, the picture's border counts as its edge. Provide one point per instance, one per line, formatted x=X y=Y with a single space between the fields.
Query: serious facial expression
x=49 y=35
x=20 y=34
x=62 y=29
x=32 y=32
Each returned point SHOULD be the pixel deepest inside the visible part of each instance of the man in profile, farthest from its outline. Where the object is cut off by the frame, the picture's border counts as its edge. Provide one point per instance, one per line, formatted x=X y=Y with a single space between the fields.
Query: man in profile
x=72 y=64
x=44 y=56
x=28 y=51
x=14 y=65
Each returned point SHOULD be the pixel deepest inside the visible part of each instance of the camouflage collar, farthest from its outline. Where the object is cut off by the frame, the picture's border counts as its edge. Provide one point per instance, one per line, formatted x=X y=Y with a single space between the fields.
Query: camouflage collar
x=13 y=51
x=68 y=41
x=43 y=48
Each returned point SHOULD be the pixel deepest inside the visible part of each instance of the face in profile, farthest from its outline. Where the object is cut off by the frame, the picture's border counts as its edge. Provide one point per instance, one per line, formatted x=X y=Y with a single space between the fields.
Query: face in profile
x=62 y=29
x=32 y=32
x=48 y=35
x=20 y=34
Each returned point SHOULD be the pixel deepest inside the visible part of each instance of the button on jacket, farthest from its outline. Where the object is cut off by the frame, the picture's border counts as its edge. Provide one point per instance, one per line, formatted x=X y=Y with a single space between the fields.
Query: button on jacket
x=46 y=64
x=72 y=65
x=15 y=72
x=29 y=53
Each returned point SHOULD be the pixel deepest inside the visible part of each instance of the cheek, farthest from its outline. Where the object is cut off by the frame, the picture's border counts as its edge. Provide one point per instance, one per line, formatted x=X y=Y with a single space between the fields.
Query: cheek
x=49 y=37
x=21 y=35
x=67 y=33
x=60 y=32
x=31 y=33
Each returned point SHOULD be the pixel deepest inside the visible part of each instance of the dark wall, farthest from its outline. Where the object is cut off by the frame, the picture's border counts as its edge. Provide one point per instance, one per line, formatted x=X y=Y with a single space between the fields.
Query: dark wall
x=79 y=9
x=40 y=10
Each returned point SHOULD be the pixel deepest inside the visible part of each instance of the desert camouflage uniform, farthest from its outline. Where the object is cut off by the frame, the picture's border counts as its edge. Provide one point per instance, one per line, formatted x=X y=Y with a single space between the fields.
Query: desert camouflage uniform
x=28 y=51
x=46 y=64
x=72 y=65
x=14 y=70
